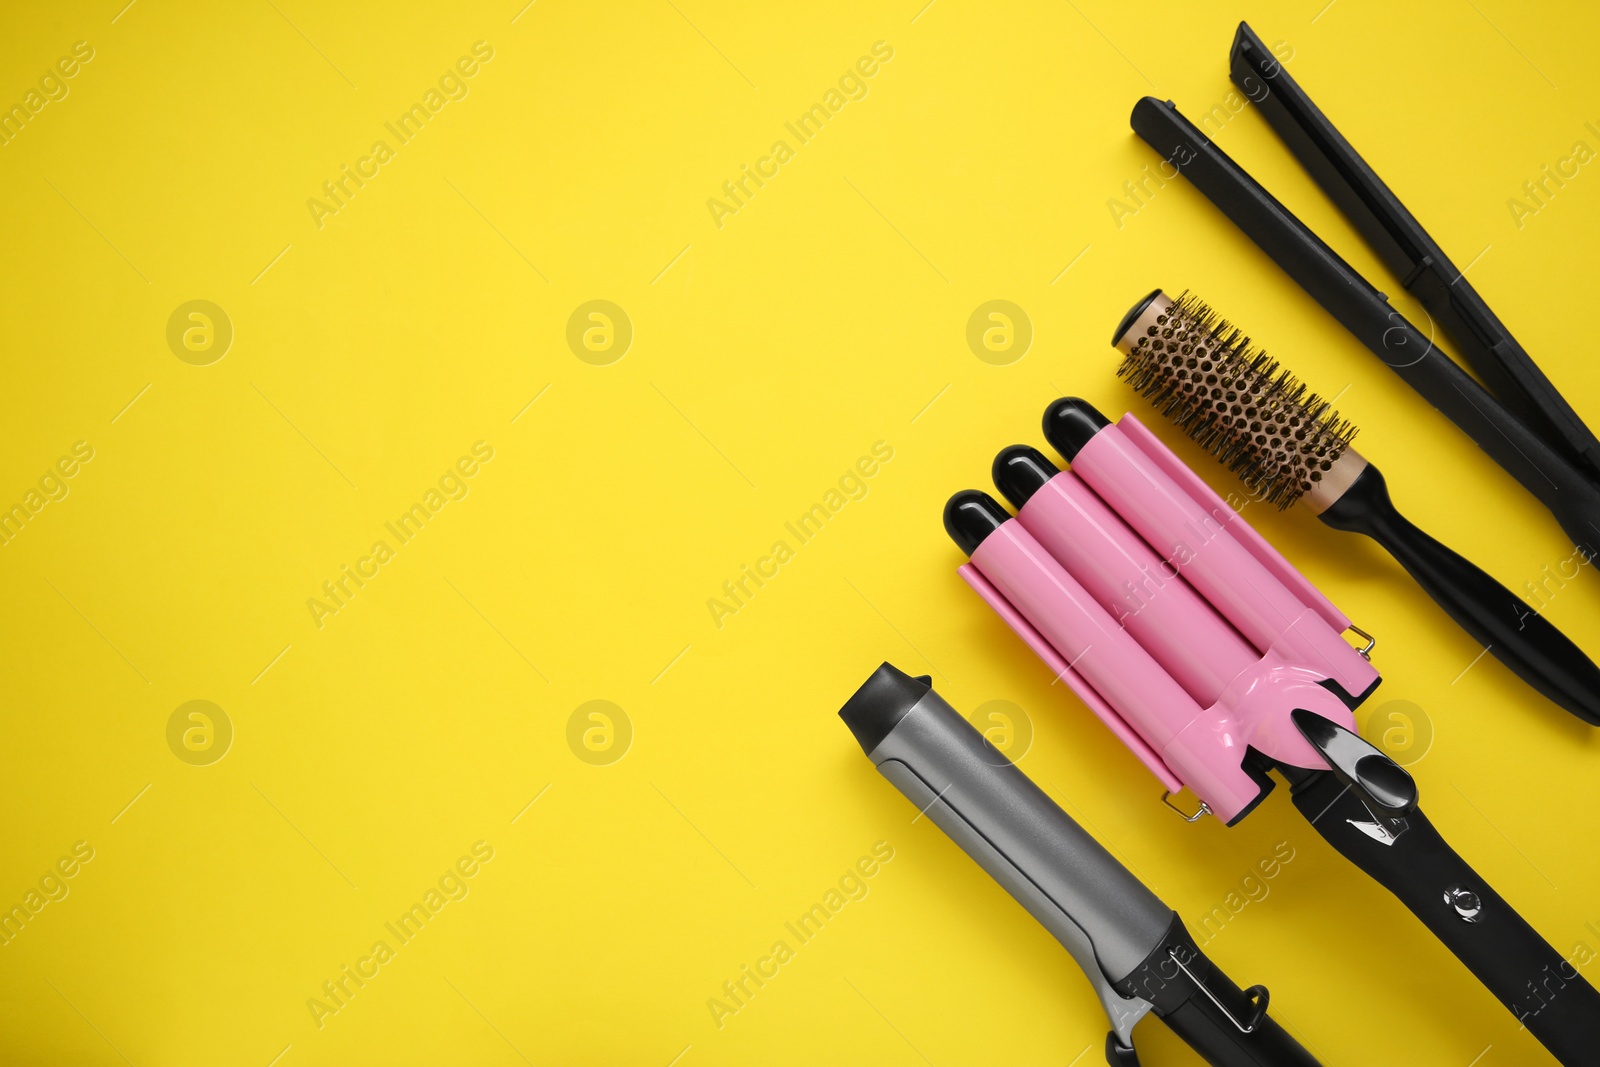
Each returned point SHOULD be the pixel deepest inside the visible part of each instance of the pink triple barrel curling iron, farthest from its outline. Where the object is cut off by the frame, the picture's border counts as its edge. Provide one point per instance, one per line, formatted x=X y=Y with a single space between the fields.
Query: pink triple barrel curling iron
x=1217 y=662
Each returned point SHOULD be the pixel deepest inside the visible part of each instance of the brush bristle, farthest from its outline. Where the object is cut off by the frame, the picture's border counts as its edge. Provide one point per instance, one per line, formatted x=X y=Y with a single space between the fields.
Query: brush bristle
x=1261 y=421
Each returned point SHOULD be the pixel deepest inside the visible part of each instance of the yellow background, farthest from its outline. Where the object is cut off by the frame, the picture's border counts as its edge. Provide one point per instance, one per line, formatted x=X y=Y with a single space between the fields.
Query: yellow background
x=768 y=355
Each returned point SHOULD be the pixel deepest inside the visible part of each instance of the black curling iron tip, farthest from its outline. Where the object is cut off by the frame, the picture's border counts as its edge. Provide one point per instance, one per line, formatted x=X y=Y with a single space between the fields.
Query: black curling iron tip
x=1070 y=423
x=1132 y=317
x=970 y=516
x=1021 y=471
x=881 y=702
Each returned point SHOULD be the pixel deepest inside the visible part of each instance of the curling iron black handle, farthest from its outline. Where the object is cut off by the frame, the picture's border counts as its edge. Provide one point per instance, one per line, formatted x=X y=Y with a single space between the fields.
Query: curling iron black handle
x=1226 y=1025
x=1538 y=986
x=1497 y=618
x=1220 y=1043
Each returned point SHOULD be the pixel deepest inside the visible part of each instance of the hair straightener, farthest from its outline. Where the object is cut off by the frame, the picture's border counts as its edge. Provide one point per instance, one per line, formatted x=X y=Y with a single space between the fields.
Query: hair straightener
x=1134 y=949
x=1524 y=424
x=1203 y=374
x=1217 y=662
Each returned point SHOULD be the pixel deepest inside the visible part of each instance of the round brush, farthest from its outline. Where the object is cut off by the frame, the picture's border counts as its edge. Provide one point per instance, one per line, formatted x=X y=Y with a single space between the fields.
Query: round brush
x=1289 y=445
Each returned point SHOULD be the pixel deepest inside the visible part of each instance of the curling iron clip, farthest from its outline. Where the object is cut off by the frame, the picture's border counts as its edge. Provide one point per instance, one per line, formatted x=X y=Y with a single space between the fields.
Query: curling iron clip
x=1385 y=788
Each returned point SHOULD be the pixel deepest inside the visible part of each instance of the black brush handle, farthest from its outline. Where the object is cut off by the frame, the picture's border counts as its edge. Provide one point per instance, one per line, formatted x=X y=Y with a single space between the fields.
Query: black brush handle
x=1521 y=969
x=1497 y=618
x=1366 y=313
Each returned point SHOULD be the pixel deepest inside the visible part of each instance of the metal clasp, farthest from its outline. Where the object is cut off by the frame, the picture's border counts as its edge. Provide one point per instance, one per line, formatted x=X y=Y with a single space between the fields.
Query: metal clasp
x=1205 y=809
x=1364 y=653
x=1257 y=993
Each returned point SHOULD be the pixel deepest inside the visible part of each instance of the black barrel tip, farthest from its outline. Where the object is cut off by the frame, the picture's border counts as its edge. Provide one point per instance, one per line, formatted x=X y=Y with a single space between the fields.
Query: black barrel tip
x=1021 y=471
x=881 y=702
x=1132 y=317
x=971 y=516
x=1070 y=423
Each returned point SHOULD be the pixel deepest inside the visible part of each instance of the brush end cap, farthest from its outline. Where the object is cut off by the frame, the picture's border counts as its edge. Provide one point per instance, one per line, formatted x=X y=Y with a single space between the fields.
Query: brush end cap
x=1021 y=471
x=1132 y=317
x=881 y=702
x=971 y=516
x=1070 y=423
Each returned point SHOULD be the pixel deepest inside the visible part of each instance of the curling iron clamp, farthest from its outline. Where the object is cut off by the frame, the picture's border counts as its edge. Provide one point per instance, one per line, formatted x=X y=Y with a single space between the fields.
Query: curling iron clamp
x=1215 y=662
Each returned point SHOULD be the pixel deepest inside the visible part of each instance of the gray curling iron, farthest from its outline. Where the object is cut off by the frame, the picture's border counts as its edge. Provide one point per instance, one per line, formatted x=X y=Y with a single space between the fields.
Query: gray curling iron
x=1134 y=949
